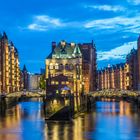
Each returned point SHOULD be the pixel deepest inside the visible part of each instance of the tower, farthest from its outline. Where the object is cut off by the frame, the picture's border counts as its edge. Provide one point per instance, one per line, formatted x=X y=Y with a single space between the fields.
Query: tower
x=25 y=78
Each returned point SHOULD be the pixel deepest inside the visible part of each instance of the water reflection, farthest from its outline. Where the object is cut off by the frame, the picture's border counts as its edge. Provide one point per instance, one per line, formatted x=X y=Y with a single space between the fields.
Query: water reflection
x=109 y=120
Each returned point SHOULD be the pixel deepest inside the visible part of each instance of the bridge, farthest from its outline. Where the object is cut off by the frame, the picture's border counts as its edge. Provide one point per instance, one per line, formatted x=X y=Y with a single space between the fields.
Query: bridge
x=65 y=108
x=115 y=93
x=8 y=100
x=28 y=94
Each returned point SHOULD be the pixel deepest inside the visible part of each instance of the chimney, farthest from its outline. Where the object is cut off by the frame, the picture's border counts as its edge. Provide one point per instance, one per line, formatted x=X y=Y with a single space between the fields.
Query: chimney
x=53 y=46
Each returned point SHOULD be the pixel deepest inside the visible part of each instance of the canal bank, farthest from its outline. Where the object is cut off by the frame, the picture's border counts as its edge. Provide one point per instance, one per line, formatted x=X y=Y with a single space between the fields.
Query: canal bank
x=108 y=120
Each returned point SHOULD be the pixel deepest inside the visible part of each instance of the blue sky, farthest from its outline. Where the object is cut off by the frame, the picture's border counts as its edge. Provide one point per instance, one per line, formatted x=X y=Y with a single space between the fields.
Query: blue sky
x=33 y=24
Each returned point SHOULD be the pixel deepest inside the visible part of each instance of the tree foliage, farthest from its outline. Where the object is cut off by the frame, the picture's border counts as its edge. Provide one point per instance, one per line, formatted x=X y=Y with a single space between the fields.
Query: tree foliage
x=42 y=83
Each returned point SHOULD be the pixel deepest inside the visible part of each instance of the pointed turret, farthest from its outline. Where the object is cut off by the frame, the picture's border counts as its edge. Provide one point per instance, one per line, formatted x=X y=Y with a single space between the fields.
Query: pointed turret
x=77 y=51
x=4 y=35
x=12 y=44
x=24 y=68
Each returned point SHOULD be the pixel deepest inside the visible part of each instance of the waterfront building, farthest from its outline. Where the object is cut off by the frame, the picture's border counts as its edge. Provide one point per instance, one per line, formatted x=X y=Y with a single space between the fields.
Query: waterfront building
x=122 y=76
x=9 y=66
x=89 y=66
x=34 y=82
x=132 y=61
x=25 y=78
x=114 y=77
x=71 y=68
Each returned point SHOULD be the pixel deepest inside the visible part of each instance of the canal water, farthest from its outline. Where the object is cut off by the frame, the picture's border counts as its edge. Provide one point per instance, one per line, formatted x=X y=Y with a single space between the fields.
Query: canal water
x=108 y=121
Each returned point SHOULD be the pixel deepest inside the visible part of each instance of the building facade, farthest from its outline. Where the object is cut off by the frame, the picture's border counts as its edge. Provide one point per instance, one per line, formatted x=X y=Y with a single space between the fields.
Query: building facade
x=9 y=66
x=114 y=77
x=89 y=66
x=132 y=61
x=69 y=68
x=25 y=78
x=34 y=82
x=122 y=76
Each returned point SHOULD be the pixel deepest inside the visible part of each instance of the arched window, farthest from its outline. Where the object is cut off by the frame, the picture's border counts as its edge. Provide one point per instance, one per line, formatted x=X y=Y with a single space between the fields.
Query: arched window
x=61 y=67
x=71 y=67
x=67 y=67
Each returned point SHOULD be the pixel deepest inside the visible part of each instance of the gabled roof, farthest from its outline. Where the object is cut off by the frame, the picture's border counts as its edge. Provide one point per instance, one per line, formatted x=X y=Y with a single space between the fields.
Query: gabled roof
x=65 y=50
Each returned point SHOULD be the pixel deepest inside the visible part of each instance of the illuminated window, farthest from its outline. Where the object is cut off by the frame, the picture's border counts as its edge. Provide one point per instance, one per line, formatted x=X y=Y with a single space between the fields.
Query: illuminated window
x=51 y=66
x=67 y=82
x=52 y=82
x=63 y=83
x=56 y=83
x=56 y=66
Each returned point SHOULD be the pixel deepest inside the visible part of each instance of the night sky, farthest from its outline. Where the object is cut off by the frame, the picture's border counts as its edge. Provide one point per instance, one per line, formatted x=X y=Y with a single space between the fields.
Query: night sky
x=32 y=25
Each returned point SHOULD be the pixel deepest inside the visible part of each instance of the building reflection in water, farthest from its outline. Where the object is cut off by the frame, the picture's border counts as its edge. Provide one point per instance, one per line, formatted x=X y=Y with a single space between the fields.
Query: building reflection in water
x=74 y=130
x=109 y=120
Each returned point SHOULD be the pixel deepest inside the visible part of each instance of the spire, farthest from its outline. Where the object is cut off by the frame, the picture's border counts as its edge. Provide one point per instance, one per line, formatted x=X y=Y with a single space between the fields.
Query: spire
x=24 y=68
x=12 y=44
x=93 y=45
x=4 y=35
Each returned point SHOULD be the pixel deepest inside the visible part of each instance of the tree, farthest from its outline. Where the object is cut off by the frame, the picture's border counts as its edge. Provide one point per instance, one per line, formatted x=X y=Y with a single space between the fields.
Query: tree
x=42 y=83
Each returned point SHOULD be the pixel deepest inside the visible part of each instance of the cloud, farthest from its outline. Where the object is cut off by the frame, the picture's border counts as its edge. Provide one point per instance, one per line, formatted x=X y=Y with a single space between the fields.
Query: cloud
x=49 y=20
x=135 y=2
x=37 y=27
x=128 y=24
x=118 y=52
x=45 y=22
x=106 y=7
x=120 y=23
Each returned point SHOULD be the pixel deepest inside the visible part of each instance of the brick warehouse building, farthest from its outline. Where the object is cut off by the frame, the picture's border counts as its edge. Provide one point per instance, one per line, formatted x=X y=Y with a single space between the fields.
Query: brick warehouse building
x=71 y=67
x=115 y=77
x=10 y=74
x=122 y=76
